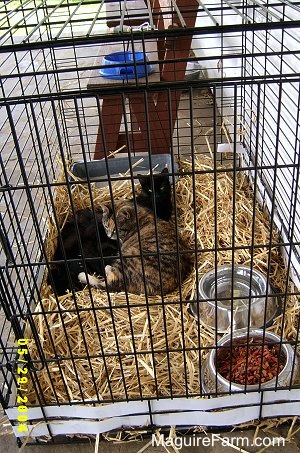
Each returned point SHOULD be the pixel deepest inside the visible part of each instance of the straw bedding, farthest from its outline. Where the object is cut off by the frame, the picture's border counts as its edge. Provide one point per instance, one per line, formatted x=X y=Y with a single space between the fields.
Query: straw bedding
x=127 y=329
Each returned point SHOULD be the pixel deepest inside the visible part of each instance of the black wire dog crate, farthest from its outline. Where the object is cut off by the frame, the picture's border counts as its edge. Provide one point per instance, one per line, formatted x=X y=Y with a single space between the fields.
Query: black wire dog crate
x=92 y=95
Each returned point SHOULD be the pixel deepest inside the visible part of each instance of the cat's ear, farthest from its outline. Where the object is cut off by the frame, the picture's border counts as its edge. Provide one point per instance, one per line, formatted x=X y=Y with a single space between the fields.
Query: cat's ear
x=142 y=179
x=165 y=170
x=127 y=212
x=105 y=210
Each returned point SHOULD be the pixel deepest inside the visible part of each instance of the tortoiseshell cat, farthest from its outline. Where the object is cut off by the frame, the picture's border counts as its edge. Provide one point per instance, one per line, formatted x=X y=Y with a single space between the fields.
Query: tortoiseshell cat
x=161 y=196
x=163 y=269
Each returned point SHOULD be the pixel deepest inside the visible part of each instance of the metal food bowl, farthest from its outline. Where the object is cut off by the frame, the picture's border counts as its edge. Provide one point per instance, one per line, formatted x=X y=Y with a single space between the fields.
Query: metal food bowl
x=235 y=297
x=214 y=382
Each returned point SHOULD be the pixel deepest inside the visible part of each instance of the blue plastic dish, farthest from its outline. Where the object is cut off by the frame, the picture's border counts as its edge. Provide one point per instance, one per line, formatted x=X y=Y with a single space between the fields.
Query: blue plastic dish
x=138 y=68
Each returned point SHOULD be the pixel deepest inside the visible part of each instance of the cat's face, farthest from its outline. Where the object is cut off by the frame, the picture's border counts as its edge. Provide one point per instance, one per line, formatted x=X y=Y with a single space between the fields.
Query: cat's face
x=161 y=186
x=108 y=222
x=124 y=215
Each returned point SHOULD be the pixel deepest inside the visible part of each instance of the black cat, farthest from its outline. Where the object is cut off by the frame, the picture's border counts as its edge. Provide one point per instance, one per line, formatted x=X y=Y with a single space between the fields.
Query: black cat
x=162 y=196
x=83 y=238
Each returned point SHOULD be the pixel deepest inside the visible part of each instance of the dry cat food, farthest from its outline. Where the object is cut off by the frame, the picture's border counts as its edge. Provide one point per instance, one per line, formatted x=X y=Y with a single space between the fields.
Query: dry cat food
x=249 y=365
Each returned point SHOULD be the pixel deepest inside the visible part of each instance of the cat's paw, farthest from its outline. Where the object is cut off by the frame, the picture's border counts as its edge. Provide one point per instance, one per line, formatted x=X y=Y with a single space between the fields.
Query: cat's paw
x=82 y=278
x=90 y=280
x=109 y=272
x=108 y=269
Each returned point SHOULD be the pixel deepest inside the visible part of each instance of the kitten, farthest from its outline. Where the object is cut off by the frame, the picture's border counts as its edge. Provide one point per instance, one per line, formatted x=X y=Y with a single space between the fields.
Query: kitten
x=161 y=196
x=131 y=235
x=90 y=251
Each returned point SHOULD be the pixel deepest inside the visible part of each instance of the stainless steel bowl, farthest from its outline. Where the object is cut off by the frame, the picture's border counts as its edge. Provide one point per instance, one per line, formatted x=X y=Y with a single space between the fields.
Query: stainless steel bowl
x=237 y=297
x=214 y=382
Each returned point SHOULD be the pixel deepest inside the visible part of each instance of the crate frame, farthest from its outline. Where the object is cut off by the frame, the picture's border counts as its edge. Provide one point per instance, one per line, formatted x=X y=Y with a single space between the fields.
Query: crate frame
x=149 y=413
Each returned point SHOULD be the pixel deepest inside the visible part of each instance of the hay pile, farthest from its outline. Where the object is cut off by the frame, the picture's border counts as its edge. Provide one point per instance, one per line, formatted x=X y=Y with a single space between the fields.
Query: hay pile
x=138 y=349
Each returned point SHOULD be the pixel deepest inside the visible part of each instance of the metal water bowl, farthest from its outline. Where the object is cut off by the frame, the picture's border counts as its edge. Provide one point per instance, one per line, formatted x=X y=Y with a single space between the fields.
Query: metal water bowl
x=235 y=297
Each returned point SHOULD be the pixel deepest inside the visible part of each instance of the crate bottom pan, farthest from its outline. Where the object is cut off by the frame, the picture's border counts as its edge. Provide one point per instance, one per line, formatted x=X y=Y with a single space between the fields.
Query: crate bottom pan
x=219 y=412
